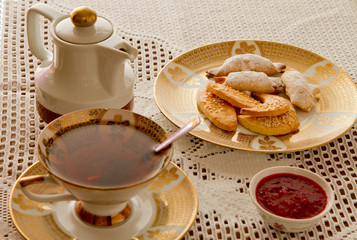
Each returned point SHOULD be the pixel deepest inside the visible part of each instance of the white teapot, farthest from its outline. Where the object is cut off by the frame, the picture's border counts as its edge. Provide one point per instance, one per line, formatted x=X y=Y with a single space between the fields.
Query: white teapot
x=88 y=68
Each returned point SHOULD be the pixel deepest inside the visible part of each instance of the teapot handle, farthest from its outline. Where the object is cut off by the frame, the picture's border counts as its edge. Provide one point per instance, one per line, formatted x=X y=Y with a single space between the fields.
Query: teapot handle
x=33 y=30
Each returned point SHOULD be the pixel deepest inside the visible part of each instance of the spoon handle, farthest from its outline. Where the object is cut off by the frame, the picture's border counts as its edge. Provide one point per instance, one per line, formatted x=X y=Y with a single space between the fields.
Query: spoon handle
x=194 y=122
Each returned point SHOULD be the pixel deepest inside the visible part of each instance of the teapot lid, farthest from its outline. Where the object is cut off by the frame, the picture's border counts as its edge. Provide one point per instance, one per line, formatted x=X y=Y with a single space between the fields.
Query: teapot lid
x=83 y=27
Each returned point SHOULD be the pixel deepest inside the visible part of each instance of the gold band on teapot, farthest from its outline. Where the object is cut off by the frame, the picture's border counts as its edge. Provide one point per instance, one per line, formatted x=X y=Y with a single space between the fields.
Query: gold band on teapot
x=83 y=16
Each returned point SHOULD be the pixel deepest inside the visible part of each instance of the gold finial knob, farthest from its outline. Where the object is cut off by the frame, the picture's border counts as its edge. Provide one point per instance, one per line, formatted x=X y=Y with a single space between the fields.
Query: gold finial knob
x=83 y=16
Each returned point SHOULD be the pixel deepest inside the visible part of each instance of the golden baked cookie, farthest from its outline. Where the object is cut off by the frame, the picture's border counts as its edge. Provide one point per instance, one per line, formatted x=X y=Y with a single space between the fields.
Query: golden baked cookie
x=247 y=62
x=278 y=125
x=272 y=105
x=219 y=112
x=231 y=95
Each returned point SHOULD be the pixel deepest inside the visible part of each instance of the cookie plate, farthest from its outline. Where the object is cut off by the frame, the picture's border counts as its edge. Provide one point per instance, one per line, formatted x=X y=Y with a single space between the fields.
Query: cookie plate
x=178 y=83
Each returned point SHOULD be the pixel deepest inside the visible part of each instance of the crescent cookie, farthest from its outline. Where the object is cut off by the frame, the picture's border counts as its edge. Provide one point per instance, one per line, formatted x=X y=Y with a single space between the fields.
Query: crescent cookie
x=231 y=95
x=278 y=125
x=219 y=112
x=301 y=93
x=247 y=62
x=251 y=81
x=272 y=105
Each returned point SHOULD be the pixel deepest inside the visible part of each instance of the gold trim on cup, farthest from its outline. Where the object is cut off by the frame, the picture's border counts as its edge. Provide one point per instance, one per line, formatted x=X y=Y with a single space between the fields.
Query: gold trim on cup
x=102 y=221
x=26 y=181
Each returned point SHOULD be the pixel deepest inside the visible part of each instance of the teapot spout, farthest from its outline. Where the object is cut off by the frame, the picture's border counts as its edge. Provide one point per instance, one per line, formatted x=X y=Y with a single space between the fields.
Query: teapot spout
x=118 y=45
x=113 y=67
x=127 y=48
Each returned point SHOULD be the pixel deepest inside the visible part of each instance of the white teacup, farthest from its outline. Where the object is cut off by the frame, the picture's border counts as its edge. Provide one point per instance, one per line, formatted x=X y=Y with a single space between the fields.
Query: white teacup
x=69 y=148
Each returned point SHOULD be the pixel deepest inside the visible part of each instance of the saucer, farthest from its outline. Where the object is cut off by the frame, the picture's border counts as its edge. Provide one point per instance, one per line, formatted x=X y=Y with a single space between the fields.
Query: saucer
x=165 y=210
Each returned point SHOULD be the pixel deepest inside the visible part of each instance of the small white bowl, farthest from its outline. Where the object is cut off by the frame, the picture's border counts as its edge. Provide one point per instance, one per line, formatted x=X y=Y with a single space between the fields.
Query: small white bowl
x=290 y=224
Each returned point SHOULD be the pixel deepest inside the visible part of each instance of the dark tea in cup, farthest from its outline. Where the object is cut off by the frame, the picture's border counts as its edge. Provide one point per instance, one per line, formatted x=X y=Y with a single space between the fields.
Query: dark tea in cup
x=98 y=155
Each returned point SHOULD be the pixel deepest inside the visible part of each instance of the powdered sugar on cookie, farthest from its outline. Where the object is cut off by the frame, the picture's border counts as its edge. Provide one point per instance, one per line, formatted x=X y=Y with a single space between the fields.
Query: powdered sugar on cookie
x=301 y=93
x=247 y=62
x=252 y=81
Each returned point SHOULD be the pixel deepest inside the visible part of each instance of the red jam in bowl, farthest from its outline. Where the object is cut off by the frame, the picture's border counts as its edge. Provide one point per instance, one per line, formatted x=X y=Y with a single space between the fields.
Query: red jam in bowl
x=292 y=196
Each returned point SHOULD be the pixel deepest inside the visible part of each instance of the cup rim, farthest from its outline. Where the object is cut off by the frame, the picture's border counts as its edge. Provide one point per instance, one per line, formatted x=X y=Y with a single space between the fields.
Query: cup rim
x=297 y=171
x=169 y=150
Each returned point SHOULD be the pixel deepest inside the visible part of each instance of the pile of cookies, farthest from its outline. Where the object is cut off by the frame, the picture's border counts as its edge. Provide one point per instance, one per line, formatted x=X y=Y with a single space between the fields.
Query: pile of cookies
x=245 y=91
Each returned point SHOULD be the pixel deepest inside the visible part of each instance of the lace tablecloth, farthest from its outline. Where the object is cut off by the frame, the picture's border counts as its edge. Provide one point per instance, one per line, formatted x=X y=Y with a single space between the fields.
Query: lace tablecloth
x=161 y=30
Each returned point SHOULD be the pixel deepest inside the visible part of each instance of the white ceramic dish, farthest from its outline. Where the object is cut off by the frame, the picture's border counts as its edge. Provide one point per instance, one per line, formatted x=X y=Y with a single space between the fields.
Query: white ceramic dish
x=290 y=224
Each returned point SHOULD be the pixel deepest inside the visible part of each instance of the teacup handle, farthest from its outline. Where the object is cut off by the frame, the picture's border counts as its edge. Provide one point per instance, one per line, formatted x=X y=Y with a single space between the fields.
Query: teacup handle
x=38 y=179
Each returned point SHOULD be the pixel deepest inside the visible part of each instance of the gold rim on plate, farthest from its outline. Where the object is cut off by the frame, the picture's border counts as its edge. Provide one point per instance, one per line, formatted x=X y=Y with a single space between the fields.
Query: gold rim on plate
x=172 y=198
x=178 y=83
